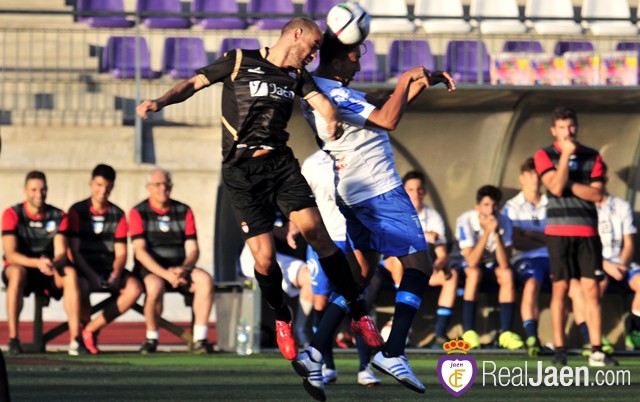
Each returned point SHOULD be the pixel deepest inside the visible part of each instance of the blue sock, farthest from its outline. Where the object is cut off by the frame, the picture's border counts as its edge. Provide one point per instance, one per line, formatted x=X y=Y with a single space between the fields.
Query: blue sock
x=584 y=330
x=408 y=300
x=317 y=318
x=331 y=319
x=469 y=315
x=506 y=316
x=531 y=328
x=442 y=322
x=364 y=353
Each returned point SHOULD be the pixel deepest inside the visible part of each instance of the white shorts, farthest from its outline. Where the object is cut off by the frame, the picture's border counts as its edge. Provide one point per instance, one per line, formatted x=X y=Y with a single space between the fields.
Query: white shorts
x=290 y=267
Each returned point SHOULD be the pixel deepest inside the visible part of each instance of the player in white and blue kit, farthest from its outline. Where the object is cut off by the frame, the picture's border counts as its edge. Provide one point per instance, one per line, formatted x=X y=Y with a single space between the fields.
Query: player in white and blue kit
x=379 y=213
x=530 y=260
x=318 y=171
x=485 y=239
x=616 y=229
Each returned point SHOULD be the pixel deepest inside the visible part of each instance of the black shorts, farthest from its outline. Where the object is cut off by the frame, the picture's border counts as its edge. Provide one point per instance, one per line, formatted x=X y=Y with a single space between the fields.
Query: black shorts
x=37 y=282
x=104 y=276
x=141 y=272
x=259 y=186
x=575 y=257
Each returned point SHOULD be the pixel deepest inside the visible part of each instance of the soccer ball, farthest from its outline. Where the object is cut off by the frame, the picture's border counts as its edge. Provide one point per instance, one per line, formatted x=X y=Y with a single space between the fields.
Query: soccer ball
x=348 y=22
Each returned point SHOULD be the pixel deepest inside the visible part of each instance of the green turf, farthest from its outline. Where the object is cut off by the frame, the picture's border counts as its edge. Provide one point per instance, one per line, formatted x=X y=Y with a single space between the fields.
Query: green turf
x=226 y=377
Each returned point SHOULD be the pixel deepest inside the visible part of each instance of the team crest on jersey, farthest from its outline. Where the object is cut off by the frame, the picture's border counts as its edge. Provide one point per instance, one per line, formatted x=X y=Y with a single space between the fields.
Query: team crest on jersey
x=51 y=226
x=164 y=223
x=245 y=227
x=98 y=224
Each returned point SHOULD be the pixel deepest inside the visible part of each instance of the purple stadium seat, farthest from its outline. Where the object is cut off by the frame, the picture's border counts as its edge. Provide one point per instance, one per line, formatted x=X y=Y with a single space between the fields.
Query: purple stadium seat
x=406 y=54
x=630 y=47
x=563 y=47
x=168 y=6
x=104 y=21
x=370 y=70
x=238 y=43
x=217 y=6
x=461 y=60
x=270 y=7
x=318 y=10
x=119 y=58
x=522 y=46
x=182 y=56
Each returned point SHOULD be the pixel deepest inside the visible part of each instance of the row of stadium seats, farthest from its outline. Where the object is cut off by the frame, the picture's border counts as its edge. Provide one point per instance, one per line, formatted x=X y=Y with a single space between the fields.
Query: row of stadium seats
x=182 y=56
x=433 y=16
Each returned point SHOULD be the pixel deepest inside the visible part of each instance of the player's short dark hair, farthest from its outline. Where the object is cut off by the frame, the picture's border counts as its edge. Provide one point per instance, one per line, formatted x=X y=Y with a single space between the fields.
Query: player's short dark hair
x=413 y=174
x=300 y=22
x=35 y=174
x=104 y=171
x=490 y=191
x=563 y=113
x=332 y=49
x=528 y=165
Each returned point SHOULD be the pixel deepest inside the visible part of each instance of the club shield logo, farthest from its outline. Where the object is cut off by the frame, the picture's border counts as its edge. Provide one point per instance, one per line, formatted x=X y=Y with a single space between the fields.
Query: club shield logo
x=455 y=372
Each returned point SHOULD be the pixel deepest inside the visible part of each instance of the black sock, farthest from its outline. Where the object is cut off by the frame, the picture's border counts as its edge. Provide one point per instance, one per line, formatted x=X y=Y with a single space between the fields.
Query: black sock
x=271 y=288
x=469 y=315
x=337 y=270
x=635 y=322
x=584 y=330
x=331 y=319
x=408 y=300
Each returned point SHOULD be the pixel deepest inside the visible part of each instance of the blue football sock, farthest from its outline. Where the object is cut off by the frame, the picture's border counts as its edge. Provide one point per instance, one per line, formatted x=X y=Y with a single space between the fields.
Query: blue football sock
x=531 y=328
x=442 y=321
x=506 y=316
x=584 y=330
x=408 y=300
x=469 y=315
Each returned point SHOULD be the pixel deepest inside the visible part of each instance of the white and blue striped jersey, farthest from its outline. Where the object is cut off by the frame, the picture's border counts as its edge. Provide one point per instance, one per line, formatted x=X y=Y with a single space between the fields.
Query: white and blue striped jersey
x=364 y=162
x=432 y=221
x=527 y=216
x=469 y=231
x=615 y=220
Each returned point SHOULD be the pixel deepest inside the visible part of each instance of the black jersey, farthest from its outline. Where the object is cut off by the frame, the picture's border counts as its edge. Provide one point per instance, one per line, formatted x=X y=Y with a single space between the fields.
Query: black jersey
x=257 y=100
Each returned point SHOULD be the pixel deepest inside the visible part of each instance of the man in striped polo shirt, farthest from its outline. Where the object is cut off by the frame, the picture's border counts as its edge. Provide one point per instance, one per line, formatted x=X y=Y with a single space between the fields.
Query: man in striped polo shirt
x=165 y=246
x=98 y=237
x=573 y=176
x=35 y=260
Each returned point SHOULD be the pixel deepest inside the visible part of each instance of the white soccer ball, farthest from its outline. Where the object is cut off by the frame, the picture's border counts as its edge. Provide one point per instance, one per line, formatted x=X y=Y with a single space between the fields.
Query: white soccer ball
x=349 y=23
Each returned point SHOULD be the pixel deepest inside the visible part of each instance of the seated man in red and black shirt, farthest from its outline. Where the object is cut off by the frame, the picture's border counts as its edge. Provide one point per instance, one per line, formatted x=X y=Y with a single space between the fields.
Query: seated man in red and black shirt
x=166 y=250
x=98 y=237
x=35 y=260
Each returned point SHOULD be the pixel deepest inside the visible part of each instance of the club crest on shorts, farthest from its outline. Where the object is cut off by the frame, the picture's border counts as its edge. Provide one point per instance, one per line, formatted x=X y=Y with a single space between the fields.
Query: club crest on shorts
x=245 y=227
x=51 y=226
x=457 y=373
x=164 y=223
x=98 y=224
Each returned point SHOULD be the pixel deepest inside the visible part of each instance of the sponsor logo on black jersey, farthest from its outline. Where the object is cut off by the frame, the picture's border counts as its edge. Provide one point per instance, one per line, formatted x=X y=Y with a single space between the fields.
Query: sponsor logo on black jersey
x=261 y=88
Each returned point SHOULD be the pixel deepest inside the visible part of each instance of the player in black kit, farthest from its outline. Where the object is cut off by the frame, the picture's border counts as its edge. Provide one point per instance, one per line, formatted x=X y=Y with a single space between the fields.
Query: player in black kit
x=260 y=172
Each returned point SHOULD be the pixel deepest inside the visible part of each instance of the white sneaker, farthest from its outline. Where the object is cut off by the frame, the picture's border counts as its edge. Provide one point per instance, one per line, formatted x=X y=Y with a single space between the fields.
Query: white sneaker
x=77 y=349
x=308 y=365
x=367 y=377
x=398 y=368
x=329 y=376
x=601 y=359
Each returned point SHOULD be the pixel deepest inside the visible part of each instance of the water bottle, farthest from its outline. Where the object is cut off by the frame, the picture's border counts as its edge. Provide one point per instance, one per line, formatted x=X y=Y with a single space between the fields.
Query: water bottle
x=243 y=336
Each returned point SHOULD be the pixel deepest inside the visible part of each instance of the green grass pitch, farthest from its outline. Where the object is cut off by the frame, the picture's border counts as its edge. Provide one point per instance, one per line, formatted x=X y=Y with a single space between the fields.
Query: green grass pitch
x=265 y=377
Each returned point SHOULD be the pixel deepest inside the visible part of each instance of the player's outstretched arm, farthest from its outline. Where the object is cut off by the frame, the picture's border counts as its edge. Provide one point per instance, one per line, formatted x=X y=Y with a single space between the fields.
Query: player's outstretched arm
x=179 y=93
x=324 y=106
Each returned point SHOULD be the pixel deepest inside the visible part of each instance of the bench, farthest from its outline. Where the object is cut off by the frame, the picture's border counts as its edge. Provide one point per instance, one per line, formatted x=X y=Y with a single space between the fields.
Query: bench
x=41 y=338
